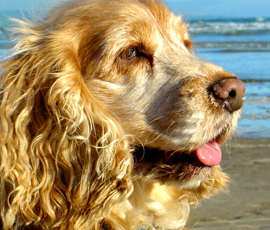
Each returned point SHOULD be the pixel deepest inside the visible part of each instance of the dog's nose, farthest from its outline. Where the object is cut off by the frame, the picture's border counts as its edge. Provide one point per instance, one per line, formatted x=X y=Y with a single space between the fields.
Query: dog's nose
x=230 y=92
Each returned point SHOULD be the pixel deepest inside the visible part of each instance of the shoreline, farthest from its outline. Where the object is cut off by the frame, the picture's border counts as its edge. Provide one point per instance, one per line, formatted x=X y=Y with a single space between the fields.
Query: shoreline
x=246 y=203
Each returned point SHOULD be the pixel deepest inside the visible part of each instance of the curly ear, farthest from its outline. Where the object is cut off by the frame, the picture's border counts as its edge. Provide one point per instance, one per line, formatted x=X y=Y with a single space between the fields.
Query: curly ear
x=64 y=161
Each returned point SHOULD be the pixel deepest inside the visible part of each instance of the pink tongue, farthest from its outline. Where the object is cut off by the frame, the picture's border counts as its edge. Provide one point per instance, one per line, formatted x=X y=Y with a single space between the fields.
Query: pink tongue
x=209 y=154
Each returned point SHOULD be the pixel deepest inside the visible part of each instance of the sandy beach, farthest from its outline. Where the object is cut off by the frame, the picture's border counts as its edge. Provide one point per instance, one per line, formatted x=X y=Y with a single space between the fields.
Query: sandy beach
x=246 y=204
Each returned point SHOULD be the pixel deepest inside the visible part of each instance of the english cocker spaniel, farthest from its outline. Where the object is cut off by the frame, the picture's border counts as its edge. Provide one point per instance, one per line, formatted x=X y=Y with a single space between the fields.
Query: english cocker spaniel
x=109 y=121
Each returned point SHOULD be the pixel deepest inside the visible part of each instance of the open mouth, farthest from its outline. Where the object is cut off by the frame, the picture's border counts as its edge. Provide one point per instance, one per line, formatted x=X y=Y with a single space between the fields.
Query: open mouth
x=176 y=165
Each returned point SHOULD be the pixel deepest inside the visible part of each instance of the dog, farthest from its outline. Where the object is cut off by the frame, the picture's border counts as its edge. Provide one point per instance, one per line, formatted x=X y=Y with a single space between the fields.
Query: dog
x=109 y=121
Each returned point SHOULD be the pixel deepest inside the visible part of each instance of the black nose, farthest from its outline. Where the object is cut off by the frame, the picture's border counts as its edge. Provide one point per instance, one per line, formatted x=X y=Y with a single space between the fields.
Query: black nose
x=230 y=92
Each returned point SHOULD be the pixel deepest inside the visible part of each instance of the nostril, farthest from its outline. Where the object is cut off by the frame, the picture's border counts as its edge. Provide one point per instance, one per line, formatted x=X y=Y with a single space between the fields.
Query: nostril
x=230 y=93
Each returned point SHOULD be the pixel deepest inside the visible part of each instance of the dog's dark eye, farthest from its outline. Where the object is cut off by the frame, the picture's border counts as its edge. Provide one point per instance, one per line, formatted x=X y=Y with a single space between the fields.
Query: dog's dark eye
x=130 y=53
x=135 y=54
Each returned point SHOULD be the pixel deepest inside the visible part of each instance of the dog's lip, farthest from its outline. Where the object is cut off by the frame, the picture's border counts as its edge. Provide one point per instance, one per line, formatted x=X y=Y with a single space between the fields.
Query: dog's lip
x=172 y=165
x=208 y=155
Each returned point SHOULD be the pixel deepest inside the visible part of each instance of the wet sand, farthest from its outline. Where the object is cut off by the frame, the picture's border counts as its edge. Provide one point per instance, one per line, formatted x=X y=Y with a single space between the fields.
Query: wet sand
x=246 y=204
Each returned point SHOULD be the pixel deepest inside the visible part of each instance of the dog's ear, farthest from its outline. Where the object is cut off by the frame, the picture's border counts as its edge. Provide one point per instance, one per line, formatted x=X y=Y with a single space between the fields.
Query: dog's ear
x=64 y=160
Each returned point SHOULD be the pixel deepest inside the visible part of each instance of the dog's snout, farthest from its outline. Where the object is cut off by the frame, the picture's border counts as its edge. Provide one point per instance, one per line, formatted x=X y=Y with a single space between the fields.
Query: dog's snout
x=230 y=92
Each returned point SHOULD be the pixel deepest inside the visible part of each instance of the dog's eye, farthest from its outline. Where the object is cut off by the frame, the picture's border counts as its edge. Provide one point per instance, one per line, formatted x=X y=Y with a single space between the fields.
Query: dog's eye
x=130 y=53
x=135 y=54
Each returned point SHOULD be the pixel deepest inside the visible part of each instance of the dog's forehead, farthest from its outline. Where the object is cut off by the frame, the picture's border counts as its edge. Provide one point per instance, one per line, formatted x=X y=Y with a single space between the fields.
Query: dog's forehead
x=150 y=18
x=163 y=18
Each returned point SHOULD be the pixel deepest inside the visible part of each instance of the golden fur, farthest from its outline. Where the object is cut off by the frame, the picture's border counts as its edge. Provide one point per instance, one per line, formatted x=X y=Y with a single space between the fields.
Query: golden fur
x=86 y=94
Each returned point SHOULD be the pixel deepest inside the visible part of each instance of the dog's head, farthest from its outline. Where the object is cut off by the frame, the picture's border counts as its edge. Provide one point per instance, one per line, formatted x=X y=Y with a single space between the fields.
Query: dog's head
x=137 y=61
x=99 y=85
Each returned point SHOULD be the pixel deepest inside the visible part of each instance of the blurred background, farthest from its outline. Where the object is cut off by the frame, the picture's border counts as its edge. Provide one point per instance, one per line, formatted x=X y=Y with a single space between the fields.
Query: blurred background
x=232 y=33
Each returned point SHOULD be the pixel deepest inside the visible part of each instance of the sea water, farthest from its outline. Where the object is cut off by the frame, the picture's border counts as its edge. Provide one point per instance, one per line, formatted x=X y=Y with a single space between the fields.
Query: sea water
x=240 y=45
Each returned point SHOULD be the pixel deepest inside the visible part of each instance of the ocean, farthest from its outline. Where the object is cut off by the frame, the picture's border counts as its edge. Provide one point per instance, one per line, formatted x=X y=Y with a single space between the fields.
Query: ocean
x=240 y=45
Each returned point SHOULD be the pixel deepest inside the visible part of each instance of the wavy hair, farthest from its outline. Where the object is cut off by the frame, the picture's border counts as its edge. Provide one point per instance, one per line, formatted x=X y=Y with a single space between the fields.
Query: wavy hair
x=64 y=160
